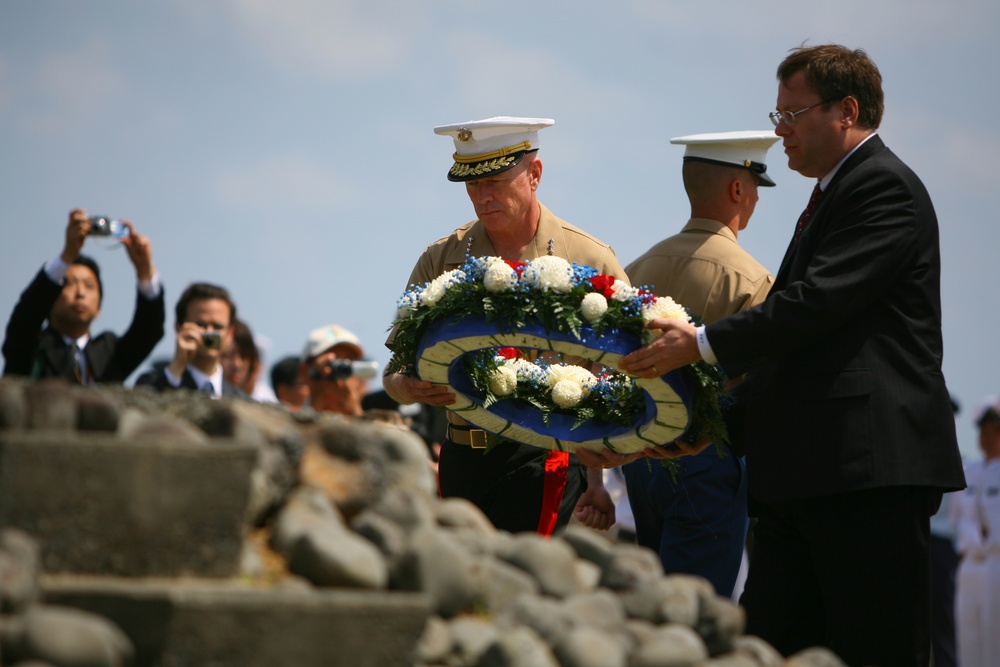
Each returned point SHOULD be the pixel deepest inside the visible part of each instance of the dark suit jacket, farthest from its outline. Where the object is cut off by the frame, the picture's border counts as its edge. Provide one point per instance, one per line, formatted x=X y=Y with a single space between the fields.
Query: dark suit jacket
x=845 y=390
x=157 y=379
x=32 y=351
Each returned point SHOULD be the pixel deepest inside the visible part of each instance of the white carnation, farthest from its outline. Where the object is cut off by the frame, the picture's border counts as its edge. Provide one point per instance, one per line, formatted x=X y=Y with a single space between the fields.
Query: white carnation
x=567 y=394
x=503 y=381
x=575 y=374
x=622 y=291
x=666 y=308
x=499 y=277
x=549 y=273
x=436 y=288
x=593 y=306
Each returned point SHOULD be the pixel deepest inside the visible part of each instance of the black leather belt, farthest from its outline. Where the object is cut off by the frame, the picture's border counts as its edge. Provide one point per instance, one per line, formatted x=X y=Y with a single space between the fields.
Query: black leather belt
x=468 y=436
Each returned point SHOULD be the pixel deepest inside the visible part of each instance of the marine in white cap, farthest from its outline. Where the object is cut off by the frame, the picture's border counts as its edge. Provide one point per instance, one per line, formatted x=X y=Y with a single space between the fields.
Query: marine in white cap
x=698 y=523
x=519 y=487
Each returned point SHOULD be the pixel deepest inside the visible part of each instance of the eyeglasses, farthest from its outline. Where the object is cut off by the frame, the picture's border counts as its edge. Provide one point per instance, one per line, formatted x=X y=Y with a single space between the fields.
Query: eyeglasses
x=789 y=116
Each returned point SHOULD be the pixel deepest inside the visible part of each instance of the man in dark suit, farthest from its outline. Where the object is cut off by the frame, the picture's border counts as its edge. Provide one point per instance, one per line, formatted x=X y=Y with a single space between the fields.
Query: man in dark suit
x=204 y=325
x=845 y=417
x=67 y=292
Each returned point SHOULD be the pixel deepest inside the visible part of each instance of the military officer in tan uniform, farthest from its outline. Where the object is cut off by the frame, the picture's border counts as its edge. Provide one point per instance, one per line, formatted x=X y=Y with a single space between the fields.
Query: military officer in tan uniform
x=697 y=520
x=519 y=487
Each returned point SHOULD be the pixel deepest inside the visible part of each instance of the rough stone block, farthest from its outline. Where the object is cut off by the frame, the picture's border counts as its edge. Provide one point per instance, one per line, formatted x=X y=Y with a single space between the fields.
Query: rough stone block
x=101 y=505
x=228 y=623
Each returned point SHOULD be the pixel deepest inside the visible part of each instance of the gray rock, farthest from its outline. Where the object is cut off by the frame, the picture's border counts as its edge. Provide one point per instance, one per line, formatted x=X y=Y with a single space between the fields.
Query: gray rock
x=406 y=509
x=435 y=642
x=437 y=565
x=387 y=536
x=672 y=646
x=720 y=622
x=19 y=563
x=548 y=617
x=589 y=574
x=471 y=636
x=814 y=657
x=467 y=524
x=601 y=609
x=96 y=412
x=758 y=650
x=591 y=647
x=589 y=544
x=333 y=556
x=520 y=647
x=549 y=561
x=501 y=583
x=405 y=460
x=307 y=509
x=13 y=405
x=64 y=637
x=630 y=565
x=51 y=405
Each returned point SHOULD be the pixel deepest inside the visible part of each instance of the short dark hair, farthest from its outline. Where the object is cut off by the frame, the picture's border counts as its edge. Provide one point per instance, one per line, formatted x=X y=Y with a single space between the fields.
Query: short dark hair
x=836 y=72
x=198 y=291
x=285 y=373
x=244 y=343
x=83 y=260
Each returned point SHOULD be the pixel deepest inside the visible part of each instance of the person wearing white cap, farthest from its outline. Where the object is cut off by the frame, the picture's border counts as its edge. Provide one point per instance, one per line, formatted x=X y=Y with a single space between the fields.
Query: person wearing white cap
x=845 y=416
x=697 y=520
x=330 y=365
x=519 y=487
x=977 y=511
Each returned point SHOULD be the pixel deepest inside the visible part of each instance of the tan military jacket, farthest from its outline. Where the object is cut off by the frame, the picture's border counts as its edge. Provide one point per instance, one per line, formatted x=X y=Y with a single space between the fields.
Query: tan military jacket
x=704 y=269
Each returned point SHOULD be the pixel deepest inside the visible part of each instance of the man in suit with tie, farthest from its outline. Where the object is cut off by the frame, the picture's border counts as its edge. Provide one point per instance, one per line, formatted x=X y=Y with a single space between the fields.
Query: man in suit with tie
x=67 y=293
x=844 y=417
x=204 y=325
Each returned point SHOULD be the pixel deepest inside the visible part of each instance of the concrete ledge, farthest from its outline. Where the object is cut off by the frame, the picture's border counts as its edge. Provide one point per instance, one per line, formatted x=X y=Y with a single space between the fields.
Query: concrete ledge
x=228 y=623
x=101 y=505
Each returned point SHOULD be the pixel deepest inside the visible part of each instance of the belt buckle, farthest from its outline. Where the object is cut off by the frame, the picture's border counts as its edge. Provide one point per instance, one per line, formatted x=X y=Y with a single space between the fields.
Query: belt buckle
x=477 y=438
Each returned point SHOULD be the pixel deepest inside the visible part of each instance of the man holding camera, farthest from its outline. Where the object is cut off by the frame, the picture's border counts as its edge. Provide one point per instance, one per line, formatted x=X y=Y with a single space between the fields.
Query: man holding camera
x=67 y=292
x=332 y=367
x=204 y=325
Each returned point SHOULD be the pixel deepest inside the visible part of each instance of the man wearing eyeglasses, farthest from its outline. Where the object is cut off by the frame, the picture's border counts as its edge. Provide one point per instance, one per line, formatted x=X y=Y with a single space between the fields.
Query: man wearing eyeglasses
x=844 y=416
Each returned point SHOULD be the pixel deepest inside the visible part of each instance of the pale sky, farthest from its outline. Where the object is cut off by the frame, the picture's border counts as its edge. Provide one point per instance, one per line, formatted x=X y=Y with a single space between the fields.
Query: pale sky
x=286 y=150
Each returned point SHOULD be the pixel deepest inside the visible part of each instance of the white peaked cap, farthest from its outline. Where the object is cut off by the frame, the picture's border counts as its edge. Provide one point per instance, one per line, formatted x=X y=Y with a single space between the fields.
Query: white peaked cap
x=492 y=145
x=738 y=149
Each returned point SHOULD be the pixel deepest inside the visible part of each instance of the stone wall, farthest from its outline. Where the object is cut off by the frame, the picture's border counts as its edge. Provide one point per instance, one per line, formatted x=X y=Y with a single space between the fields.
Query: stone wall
x=147 y=529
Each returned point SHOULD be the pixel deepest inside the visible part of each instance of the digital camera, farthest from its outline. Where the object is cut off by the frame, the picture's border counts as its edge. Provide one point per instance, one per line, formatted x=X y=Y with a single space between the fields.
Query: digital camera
x=211 y=340
x=341 y=369
x=102 y=225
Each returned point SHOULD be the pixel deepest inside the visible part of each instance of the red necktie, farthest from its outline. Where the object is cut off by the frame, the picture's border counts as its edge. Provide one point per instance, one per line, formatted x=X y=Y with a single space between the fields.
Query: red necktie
x=810 y=207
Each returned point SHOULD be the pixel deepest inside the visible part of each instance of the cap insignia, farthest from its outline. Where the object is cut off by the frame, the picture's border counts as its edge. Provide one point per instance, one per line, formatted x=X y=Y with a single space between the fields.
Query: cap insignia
x=465 y=134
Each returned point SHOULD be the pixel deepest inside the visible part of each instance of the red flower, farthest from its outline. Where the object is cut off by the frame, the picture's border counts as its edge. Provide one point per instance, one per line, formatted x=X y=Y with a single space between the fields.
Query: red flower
x=517 y=266
x=602 y=284
x=509 y=353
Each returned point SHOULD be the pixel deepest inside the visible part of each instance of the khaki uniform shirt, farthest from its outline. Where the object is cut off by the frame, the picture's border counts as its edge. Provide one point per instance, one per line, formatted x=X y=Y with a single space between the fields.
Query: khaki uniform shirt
x=565 y=240
x=704 y=269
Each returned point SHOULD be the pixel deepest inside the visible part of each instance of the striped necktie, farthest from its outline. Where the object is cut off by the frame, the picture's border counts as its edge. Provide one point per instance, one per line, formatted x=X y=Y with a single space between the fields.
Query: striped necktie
x=79 y=364
x=817 y=194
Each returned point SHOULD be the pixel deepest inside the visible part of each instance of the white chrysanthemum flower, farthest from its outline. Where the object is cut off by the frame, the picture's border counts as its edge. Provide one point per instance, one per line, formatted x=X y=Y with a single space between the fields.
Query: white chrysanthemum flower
x=567 y=394
x=499 y=277
x=549 y=273
x=569 y=373
x=407 y=304
x=503 y=381
x=622 y=291
x=593 y=306
x=664 y=307
x=437 y=287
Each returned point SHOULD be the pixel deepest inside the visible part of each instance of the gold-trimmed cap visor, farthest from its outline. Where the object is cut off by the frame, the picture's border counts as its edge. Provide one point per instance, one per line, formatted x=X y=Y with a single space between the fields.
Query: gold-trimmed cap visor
x=492 y=145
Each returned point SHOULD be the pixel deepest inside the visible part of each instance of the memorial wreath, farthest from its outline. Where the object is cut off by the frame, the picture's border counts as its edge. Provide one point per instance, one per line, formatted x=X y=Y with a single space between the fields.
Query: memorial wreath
x=498 y=333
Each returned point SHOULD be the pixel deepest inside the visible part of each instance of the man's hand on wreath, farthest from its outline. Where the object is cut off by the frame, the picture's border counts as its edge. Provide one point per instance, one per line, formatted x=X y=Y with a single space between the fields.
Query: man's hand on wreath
x=408 y=389
x=675 y=348
x=605 y=458
x=678 y=448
